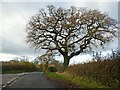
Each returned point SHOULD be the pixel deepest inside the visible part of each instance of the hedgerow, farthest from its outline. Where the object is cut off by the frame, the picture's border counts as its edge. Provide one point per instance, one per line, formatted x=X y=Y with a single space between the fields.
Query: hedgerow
x=12 y=67
x=104 y=70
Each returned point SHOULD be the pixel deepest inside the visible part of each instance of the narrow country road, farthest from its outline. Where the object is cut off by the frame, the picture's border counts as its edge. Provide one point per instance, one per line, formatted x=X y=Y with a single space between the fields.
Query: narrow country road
x=32 y=80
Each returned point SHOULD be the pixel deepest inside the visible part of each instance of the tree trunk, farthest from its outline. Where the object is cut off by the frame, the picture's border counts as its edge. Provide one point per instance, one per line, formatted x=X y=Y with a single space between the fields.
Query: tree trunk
x=66 y=62
x=46 y=66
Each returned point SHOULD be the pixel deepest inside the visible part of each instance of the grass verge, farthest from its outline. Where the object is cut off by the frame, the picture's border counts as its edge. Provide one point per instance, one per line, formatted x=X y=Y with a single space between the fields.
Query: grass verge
x=82 y=82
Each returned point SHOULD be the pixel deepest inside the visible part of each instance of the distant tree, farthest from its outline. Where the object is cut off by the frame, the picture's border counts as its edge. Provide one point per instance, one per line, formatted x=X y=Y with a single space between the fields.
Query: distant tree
x=15 y=59
x=36 y=61
x=45 y=59
x=70 y=31
x=57 y=64
x=24 y=59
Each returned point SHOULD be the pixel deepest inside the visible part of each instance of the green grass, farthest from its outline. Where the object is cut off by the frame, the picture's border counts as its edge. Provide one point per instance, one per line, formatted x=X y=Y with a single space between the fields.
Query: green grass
x=82 y=82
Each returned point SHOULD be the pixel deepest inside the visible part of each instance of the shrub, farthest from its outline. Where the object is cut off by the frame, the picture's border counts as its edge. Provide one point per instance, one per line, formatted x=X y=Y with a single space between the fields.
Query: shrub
x=52 y=69
x=104 y=70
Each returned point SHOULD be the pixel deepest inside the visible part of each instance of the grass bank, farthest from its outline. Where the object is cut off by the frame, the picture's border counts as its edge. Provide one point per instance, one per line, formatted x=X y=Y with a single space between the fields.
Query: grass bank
x=80 y=82
x=101 y=72
x=105 y=71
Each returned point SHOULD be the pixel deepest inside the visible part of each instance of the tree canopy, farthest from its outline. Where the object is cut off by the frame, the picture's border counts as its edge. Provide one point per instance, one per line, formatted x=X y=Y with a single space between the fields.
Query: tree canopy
x=70 y=31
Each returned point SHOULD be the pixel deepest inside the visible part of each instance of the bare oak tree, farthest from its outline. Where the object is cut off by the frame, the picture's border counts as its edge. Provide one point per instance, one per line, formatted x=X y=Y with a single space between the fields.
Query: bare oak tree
x=70 y=31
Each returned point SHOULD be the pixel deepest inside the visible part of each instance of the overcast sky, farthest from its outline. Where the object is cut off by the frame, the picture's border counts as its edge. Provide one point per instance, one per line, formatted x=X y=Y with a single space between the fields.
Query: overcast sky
x=15 y=15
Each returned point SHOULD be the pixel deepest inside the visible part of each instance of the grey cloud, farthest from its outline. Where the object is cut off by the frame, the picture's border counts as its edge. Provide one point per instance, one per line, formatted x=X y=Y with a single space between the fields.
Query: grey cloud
x=14 y=48
x=15 y=17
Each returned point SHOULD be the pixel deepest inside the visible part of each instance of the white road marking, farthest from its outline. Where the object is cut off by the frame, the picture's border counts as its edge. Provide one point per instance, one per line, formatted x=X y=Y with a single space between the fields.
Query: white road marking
x=18 y=75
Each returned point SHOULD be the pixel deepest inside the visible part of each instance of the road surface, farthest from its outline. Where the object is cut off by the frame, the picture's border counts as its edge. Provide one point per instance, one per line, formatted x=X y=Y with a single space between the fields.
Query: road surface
x=7 y=77
x=32 y=80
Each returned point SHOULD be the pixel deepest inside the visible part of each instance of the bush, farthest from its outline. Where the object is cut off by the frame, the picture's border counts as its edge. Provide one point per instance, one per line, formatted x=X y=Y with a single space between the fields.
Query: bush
x=52 y=69
x=102 y=70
